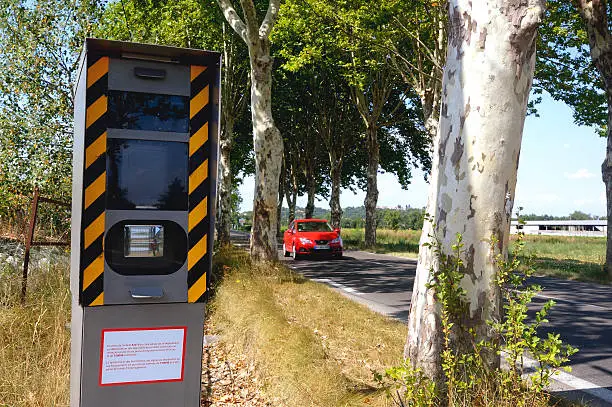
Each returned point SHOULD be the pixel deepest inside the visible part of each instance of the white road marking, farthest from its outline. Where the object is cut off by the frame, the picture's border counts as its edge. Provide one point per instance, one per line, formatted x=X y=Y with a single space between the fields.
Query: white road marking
x=574 y=382
x=337 y=285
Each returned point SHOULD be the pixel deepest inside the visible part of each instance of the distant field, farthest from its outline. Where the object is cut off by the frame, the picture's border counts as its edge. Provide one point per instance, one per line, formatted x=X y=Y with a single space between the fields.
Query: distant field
x=396 y=242
x=568 y=257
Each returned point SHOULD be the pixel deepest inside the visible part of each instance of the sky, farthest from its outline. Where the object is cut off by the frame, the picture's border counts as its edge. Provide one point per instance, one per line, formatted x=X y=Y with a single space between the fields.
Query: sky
x=559 y=171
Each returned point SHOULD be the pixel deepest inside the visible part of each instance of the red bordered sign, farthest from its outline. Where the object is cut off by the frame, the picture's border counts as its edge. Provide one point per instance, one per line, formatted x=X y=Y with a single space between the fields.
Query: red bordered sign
x=142 y=355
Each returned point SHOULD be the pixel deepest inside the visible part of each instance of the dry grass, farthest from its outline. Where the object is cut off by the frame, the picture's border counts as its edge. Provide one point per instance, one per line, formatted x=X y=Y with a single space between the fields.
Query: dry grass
x=34 y=338
x=310 y=345
x=309 y=342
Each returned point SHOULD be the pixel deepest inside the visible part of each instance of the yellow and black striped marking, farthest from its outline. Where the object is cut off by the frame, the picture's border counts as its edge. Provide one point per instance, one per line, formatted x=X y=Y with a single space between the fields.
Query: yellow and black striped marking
x=199 y=184
x=94 y=183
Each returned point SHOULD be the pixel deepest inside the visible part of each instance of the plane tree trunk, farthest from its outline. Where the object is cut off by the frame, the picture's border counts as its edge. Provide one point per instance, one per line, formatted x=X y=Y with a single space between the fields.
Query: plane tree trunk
x=370 y=104
x=292 y=191
x=335 y=161
x=233 y=104
x=281 y=195
x=225 y=183
x=311 y=186
x=371 y=198
x=594 y=14
x=267 y=140
x=485 y=90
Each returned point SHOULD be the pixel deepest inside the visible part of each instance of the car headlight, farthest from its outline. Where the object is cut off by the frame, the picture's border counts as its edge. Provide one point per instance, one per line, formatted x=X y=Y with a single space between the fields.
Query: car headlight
x=337 y=240
x=303 y=240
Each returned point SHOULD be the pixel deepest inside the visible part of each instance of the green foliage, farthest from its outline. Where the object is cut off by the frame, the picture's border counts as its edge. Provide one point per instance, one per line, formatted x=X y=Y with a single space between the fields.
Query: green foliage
x=564 y=68
x=40 y=43
x=415 y=386
x=330 y=54
x=353 y=217
x=468 y=377
x=520 y=336
x=180 y=23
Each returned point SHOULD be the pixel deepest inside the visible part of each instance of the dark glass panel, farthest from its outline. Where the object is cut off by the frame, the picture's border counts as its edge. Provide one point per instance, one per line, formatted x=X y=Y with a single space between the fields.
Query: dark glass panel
x=146 y=111
x=146 y=174
x=169 y=256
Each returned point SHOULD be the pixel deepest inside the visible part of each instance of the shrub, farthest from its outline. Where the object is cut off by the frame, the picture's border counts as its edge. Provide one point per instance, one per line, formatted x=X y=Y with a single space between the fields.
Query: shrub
x=468 y=379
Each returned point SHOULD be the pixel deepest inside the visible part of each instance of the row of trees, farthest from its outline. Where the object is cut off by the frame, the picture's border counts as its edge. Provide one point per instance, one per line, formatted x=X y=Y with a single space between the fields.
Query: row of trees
x=352 y=217
x=343 y=111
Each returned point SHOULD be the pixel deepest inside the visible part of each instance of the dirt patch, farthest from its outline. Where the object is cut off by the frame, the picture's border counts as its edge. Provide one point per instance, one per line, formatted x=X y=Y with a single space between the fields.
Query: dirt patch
x=228 y=377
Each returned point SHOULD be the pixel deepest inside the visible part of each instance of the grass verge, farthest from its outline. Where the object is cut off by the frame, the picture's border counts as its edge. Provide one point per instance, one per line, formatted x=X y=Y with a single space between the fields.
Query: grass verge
x=34 y=338
x=312 y=346
x=567 y=257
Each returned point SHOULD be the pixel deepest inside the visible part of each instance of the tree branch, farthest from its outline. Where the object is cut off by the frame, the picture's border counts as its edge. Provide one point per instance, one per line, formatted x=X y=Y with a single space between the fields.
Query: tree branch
x=233 y=18
x=270 y=19
x=250 y=18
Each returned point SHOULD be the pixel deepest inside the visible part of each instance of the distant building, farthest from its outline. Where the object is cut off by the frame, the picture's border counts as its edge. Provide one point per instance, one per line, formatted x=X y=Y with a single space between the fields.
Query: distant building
x=561 y=227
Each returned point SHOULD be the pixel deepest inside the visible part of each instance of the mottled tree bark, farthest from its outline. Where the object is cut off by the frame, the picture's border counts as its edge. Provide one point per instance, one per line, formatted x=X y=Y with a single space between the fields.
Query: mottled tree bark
x=335 y=161
x=370 y=104
x=594 y=14
x=281 y=195
x=430 y=102
x=371 y=198
x=485 y=90
x=233 y=103
x=267 y=141
x=311 y=190
x=292 y=192
x=291 y=196
x=225 y=183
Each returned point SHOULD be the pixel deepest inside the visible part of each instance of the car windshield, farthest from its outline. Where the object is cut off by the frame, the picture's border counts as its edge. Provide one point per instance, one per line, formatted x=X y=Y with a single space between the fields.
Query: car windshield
x=313 y=227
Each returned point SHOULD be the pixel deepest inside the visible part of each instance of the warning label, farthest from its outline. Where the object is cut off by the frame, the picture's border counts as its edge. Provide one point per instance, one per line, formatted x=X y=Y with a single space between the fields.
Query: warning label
x=142 y=355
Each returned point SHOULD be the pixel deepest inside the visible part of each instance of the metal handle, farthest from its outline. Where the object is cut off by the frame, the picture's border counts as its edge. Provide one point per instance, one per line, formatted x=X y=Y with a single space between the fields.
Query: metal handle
x=145 y=293
x=150 y=73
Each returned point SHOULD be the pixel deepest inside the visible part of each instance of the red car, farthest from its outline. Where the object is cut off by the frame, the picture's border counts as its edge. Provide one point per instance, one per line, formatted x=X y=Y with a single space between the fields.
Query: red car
x=311 y=236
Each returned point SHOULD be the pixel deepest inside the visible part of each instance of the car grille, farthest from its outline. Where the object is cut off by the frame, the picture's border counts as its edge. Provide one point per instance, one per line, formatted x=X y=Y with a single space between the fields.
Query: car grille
x=321 y=241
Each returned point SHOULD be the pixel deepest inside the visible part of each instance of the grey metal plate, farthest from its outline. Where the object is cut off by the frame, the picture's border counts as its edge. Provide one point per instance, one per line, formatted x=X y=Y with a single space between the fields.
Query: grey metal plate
x=172 y=394
x=121 y=77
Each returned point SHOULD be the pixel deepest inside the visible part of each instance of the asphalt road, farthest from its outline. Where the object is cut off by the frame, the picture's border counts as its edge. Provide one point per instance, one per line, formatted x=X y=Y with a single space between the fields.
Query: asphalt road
x=582 y=315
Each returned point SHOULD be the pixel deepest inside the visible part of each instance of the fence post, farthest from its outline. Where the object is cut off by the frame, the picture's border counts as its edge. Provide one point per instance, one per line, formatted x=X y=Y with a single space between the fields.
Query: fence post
x=28 y=244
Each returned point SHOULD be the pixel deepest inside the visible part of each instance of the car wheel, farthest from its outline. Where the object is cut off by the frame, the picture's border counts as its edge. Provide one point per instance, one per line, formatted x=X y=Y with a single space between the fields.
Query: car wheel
x=294 y=254
x=285 y=252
